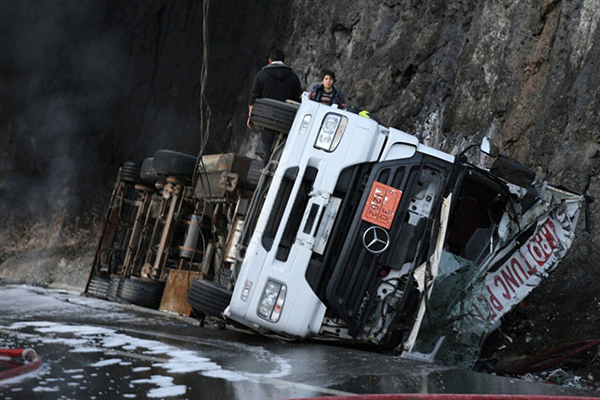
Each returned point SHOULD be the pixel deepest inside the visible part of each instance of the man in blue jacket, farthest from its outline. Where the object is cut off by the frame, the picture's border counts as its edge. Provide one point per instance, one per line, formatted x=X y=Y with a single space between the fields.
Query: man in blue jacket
x=274 y=81
x=326 y=92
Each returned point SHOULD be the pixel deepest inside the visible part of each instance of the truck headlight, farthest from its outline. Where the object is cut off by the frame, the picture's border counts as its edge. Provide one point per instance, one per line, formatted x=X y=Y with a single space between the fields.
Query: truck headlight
x=331 y=132
x=271 y=301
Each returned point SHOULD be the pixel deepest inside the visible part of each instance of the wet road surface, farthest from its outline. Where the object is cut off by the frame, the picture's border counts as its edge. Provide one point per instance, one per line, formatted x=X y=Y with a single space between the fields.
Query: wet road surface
x=96 y=349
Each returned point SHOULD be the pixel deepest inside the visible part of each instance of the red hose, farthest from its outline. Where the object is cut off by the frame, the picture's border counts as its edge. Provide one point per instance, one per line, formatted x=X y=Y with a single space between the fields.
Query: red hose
x=439 y=396
x=30 y=357
x=554 y=357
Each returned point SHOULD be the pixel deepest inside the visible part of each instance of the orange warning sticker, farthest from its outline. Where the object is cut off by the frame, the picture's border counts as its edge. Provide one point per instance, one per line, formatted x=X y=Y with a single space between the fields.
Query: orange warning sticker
x=381 y=205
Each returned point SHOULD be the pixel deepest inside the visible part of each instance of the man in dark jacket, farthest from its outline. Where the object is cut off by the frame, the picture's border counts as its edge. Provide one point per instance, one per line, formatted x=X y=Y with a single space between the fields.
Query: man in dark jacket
x=275 y=81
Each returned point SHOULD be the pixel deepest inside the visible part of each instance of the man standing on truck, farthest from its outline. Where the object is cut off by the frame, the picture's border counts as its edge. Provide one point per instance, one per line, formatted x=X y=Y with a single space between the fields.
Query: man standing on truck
x=274 y=81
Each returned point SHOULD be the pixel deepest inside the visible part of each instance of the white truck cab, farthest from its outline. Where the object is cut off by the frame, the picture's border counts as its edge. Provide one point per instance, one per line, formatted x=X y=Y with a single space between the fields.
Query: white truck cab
x=359 y=230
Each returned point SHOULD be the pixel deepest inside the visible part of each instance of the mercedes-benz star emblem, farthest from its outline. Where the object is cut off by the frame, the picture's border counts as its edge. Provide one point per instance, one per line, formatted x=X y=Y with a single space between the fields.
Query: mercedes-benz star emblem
x=376 y=239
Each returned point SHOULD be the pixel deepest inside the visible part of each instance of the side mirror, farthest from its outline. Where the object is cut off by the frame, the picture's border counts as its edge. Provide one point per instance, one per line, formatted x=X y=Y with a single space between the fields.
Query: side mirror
x=489 y=148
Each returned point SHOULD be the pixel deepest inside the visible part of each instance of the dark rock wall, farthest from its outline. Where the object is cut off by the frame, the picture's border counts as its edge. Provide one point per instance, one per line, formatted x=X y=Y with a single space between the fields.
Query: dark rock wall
x=524 y=72
x=165 y=57
x=87 y=85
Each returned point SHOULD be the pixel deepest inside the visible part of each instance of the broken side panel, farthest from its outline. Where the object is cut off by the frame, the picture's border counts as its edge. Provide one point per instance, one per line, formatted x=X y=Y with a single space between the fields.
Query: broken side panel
x=474 y=290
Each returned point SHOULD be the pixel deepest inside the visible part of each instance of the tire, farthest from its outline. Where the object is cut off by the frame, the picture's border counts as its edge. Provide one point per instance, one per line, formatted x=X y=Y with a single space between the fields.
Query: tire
x=130 y=172
x=273 y=114
x=113 y=288
x=98 y=287
x=142 y=293
x=147 y=171
x=254 y=171
x=172 y=163
x=209 y=297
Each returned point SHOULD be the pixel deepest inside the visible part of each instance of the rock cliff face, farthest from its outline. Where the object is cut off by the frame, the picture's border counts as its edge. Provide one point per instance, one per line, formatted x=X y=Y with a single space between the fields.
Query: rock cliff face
x=88 y=85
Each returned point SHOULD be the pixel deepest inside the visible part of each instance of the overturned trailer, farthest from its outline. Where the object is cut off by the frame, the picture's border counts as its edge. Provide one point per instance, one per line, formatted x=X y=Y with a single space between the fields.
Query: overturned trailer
x=357 y=232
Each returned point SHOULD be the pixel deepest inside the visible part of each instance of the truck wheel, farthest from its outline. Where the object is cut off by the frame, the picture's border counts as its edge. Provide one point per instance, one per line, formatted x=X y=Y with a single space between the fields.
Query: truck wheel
x=273 y=114
x=147 y=171
x=253 y=174
x=130 y=172
x=142 y=293
x=98 y=287
x=172 y=163
x=209 y=297
x=113 y=288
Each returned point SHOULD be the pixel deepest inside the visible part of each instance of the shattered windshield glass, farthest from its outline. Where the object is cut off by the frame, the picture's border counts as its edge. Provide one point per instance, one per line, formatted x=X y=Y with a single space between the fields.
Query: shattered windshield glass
x=499 y=246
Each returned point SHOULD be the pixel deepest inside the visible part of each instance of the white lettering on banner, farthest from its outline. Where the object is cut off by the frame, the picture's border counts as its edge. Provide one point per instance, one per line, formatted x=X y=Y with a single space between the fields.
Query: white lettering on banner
x=518 y=275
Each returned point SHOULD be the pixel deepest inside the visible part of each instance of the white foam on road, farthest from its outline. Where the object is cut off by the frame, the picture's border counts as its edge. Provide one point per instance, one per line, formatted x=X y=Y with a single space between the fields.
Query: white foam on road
x=260 y=366
x=166 y=388
x=89 y=339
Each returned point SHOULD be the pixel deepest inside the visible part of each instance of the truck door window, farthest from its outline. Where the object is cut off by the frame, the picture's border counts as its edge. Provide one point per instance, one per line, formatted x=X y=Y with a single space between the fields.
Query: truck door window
x=477 y=212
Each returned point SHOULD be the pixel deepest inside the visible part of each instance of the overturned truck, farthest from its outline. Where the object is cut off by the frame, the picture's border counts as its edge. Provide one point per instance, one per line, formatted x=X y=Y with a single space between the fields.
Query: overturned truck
x=353 y=232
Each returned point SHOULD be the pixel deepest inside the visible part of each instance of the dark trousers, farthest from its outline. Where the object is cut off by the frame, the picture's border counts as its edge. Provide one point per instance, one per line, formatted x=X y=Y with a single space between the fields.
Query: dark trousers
x=268 y=137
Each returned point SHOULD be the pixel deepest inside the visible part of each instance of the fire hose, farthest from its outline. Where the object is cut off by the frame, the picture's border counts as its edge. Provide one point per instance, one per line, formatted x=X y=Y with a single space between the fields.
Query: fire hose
x=554 y=357
x=15 y=362
x=442 y=396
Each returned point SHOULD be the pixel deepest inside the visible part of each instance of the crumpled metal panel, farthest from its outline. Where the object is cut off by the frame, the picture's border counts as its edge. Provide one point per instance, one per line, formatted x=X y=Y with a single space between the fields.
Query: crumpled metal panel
x=469 y=298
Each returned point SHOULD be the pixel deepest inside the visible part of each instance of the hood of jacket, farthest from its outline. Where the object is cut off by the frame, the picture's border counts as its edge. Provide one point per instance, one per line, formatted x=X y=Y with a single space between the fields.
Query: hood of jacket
x=278 y=71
